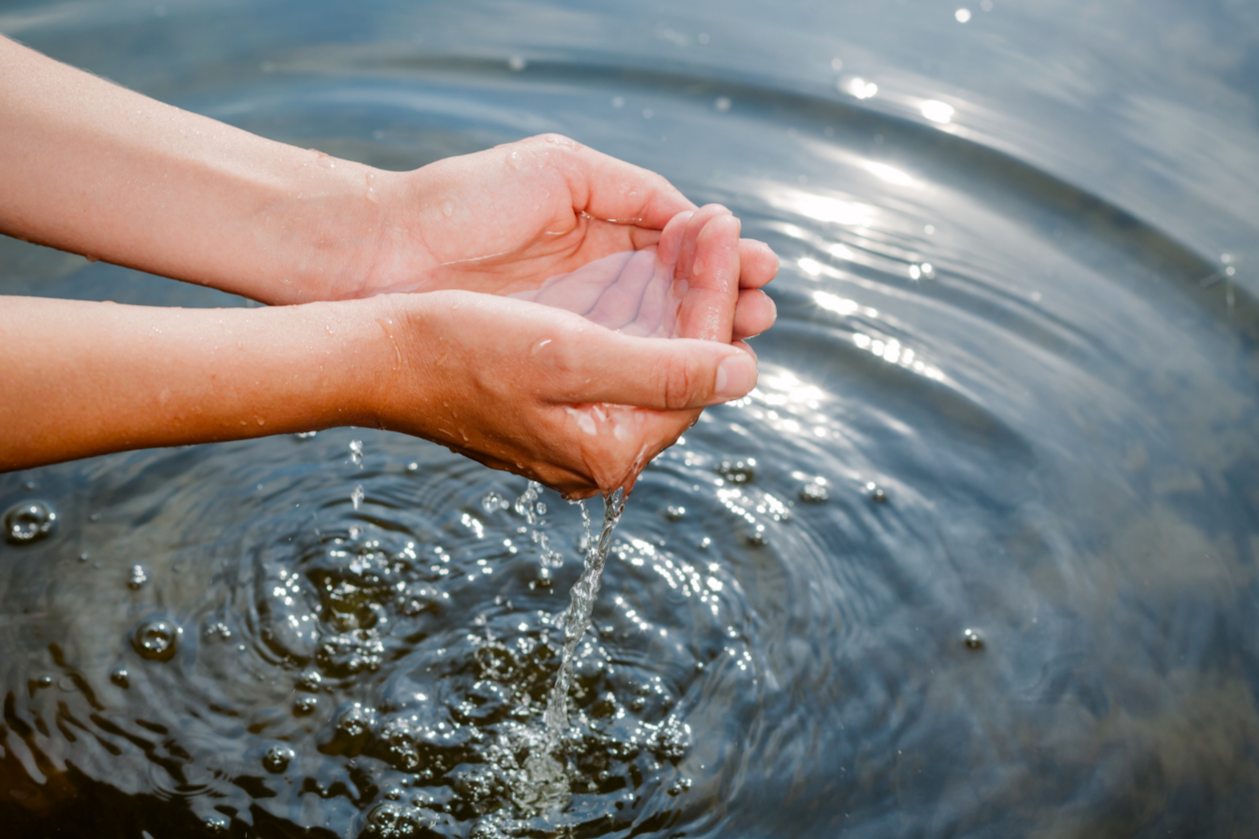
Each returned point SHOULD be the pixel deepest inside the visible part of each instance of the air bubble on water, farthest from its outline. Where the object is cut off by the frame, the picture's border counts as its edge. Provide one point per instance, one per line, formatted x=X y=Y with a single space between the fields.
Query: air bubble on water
x=705 y=543
x=218 y=631
x=304 y=706
x=674 y=512
x=29 y=521
x=356 y=497
x=757 y=536
x=517 y=63
x=120 y=677
x=44 y=681
x=277 y=759
x=737 y=471
x=814 y=492
x=155 y=639
x=83 y=557
x=216 y=825
x=722 y=104
x=877 y=494
x=413 y=467
x=972 y=640
x=310 y=681
x=356 y=452
x=137 y=578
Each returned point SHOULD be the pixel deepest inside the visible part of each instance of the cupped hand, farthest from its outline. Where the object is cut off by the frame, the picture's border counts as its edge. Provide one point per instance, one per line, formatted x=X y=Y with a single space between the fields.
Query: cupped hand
x=508 y=219
x=544 y=392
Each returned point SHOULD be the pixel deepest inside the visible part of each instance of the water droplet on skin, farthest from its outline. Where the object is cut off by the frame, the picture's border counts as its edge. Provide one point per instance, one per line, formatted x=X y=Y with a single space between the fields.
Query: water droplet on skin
x=155 y=639
x=29 y=521
x=814 y=493
x=120 y=677
x=514 y=160
x=448 y=208
x=277 y=759
x=371 y=189
x=971 y=640
x=137 y=578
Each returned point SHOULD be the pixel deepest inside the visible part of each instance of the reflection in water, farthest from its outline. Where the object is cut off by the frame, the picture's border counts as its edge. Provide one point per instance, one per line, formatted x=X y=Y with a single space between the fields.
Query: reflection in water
x=975 y=558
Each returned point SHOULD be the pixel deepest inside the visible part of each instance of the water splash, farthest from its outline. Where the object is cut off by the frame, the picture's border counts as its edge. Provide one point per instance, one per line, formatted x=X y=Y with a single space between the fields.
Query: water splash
x=543 y=784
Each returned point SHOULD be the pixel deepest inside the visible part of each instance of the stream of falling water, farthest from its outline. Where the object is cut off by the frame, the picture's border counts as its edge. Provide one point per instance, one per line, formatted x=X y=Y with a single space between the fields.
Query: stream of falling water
x=543 y=785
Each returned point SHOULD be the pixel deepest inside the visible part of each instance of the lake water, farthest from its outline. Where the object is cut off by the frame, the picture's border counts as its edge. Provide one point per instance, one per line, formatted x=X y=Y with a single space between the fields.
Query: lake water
x=977 y=558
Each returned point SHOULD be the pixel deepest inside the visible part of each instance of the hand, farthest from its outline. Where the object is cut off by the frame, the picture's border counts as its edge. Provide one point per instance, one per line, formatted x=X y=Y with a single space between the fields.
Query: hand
x=543 y=392
x=507 y=220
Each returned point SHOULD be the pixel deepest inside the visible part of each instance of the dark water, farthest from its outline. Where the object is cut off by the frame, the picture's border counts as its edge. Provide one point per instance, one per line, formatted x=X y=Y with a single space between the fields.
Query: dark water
x=978 y=557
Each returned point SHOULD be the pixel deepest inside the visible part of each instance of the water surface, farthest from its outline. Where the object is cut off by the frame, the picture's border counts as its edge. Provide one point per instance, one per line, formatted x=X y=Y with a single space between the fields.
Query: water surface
x=977 y=558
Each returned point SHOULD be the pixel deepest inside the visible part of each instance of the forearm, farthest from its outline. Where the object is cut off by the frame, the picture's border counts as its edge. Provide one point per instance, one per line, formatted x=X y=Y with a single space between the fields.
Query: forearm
x=96 y=169
x=85 y=378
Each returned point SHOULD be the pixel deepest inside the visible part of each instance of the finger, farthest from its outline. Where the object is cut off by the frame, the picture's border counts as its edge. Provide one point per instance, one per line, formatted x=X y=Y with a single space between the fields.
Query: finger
x=707 y=309
x=666 y=374
x=669 y=246
x=753 y=314
x=613 y=190
x=758 y=264
x=694 y=226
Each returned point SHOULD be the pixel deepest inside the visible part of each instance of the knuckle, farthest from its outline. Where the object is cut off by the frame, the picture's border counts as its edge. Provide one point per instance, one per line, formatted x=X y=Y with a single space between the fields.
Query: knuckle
x=681 y=382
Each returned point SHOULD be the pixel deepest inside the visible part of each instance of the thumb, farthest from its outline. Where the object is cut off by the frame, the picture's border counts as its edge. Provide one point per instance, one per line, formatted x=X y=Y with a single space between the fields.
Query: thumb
x=666 y=374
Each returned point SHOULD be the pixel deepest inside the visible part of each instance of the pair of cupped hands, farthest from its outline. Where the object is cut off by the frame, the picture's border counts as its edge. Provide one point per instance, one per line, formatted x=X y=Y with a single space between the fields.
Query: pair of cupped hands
x=588 y=311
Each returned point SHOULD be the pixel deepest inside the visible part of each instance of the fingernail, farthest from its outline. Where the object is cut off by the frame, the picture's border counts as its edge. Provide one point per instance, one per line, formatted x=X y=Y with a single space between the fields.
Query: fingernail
x=736 y=376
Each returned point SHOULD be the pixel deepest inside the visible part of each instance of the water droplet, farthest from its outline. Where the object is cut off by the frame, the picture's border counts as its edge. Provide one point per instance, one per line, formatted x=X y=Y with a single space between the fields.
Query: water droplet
x=356 y=497
x=737 y=471
x=155 y=639
x=493 y=502
x=448 y=208
x=413 y=467
x=120 y=677
x=277 y=759
x=814 y=492
x=962 y=15
x=877 y=494
x=674 y=512
x=971 y=639
x=29 y=521
x=305 y=435
x=356 y=452
x=304 y=706
x=83 y=557
x=137 y=578
x=44 y=681
x=517 y=63
x=216 y=825
x=310 y=681
x=722 y=104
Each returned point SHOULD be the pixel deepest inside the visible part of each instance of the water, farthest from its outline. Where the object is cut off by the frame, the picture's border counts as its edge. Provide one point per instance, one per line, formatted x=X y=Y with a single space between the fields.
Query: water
x=976 y=558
